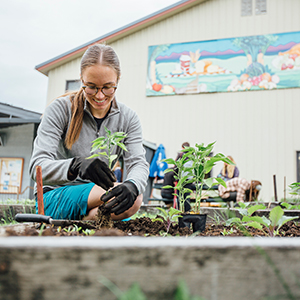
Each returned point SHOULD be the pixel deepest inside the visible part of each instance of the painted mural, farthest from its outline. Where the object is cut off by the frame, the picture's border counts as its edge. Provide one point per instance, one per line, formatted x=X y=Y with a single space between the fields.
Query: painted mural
x=261 y=62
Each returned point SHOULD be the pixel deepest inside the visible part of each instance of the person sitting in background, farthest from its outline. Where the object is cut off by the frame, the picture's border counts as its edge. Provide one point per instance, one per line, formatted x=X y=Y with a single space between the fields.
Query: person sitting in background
x=229 y=171
x=117 y=171
x=239 y=185
x=246 y=190
x=180 y=154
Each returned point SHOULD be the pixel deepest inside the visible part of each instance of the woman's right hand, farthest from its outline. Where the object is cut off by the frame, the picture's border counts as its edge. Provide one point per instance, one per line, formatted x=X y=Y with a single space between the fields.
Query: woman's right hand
x=94 y=170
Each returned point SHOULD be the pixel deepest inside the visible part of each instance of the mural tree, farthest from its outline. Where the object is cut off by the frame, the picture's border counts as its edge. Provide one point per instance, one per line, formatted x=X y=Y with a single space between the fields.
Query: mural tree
x=255 y=47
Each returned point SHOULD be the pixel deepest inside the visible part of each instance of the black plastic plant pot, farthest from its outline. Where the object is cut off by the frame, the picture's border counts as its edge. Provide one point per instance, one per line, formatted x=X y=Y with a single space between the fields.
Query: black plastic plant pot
x=198 y=221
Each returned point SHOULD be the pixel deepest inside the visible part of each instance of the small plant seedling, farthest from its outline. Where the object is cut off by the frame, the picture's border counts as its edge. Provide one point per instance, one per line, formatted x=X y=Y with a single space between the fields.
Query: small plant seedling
x=73 y=228
x=171 y=216
x=272 y=225
x=227 y=232
x=41 y=229
x=108 y=143
x=88 y=231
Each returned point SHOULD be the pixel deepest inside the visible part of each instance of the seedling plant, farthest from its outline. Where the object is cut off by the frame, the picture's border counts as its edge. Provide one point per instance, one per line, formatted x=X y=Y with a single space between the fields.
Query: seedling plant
x=195 y=163
x=171 y=217
x=289 y=206
x=108 y=143
x=270 y=226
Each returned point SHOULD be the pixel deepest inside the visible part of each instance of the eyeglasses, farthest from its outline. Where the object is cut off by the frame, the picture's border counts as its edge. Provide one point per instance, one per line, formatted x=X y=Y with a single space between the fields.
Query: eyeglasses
x=106 y=90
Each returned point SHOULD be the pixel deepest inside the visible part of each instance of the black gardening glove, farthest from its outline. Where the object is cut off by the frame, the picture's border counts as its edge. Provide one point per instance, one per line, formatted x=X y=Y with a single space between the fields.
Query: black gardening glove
x=125 y=194
x=94 y=170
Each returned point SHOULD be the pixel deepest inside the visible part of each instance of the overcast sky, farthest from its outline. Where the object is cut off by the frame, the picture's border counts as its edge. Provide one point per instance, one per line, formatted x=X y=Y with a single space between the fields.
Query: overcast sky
x=35 y=31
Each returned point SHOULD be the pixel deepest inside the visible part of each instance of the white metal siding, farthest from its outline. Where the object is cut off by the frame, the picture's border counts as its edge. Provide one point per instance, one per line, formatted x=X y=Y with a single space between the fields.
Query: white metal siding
x=258 y=128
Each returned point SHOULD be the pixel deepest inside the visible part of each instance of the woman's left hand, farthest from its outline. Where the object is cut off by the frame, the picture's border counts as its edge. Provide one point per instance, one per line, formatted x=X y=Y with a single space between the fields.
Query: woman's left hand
x=125 y=195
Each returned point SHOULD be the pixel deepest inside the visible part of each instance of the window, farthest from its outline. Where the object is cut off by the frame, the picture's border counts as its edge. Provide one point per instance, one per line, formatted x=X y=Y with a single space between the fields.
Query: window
x=72 y=85
x=260 y=7
x=246 y=7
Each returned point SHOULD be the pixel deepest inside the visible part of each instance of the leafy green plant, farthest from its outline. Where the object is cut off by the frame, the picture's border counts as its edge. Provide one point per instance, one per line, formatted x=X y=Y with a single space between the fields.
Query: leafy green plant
x=171 y=216
x=108 y=143
x=289 y=206
x=270 y=226
x=295 y=188
x=195 y=163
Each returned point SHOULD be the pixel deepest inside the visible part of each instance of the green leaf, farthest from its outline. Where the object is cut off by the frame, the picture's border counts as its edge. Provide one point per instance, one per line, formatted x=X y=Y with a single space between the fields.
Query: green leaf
x=243 y=211
x=168 y=170
x=221 y=181
x=158 y=219
x=254 y=225
x=257 y=219
x=103 y=154
x=284 y=219
x=208 y=182
x=165 y=214
x=122 y=146
x=99 y=139
x=167 y=187
x=108 y=132
x=286 y=205
x=233 y=221
x=254 y=208
x=174 y=211
x=275 y=214
x=113 y=157
x=242 y=205
x=92 y=156
x=169 y=161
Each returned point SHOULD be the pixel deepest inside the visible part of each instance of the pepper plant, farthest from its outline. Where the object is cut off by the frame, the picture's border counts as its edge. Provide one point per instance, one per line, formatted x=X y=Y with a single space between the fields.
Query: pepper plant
x=108 y=143
x=195 y=163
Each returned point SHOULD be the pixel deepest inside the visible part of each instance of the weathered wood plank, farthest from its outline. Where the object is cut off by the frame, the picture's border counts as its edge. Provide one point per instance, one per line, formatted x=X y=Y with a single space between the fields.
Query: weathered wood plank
x=214 y=268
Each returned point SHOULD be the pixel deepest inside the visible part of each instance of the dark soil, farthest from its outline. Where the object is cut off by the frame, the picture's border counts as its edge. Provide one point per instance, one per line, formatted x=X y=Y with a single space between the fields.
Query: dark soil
x=146 y=227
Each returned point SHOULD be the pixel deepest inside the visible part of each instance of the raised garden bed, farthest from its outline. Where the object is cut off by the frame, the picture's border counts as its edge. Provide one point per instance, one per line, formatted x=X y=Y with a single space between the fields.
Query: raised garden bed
x=215 y=264
x=146 y=227
x=213 y=268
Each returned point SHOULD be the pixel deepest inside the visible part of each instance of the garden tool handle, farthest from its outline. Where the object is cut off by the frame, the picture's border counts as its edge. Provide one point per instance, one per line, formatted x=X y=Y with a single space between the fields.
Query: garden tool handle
x=39 y=187
x=33 y=218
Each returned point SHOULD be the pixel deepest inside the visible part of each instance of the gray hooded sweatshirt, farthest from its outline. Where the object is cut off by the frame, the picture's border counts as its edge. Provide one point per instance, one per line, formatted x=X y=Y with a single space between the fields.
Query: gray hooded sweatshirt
x=50 y=152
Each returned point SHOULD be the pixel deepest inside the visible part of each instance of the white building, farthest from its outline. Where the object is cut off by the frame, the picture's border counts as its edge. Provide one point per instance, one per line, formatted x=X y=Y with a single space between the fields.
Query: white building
x=258 y=128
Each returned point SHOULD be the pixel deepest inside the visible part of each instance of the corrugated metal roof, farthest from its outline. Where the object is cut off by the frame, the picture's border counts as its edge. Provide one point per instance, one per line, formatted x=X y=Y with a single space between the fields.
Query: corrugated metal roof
x=11 y=116
x=118 y=33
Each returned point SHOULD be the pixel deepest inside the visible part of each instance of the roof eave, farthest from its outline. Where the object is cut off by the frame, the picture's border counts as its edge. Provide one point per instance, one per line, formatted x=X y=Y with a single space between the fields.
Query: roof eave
x=118 y=34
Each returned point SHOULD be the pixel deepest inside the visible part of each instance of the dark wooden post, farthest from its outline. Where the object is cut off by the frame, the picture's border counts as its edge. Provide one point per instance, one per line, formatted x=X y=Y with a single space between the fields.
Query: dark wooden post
x=275 y=188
